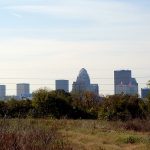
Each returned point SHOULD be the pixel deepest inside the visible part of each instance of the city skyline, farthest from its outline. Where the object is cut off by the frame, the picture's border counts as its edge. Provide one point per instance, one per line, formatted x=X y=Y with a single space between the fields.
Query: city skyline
x=46 y=40
x=123 y=83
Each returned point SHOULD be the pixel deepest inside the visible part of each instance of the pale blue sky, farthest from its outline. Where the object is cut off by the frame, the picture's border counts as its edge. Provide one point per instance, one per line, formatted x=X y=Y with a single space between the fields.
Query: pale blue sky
x=52 y=39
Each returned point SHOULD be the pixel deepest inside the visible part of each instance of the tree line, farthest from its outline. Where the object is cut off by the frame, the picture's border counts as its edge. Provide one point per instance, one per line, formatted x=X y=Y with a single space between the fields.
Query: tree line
x=60 y=104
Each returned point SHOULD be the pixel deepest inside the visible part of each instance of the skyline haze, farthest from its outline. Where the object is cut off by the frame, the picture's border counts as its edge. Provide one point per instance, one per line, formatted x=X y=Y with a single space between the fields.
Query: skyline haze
x=47 y=40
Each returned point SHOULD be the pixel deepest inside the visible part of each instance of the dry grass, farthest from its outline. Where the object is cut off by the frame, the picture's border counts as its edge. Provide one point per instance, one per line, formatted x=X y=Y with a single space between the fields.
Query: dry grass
x=46 y=134
x=102 y=135
x=31 y=135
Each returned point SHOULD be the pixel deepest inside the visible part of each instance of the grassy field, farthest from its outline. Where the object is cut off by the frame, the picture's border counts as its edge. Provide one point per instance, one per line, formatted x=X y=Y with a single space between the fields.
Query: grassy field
x=46 y=134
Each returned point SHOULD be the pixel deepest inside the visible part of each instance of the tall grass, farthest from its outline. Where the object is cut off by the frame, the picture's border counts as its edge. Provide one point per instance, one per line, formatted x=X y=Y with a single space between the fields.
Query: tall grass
x=47 y=134
x=31 y=135
x=137 y=125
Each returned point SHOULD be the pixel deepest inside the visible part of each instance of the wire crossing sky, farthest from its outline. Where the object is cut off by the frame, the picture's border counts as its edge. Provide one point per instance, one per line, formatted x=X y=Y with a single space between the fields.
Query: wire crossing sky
x=55 y=39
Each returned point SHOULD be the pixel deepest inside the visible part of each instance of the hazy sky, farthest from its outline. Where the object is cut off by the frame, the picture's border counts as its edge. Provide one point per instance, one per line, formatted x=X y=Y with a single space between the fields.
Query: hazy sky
x=44 y=40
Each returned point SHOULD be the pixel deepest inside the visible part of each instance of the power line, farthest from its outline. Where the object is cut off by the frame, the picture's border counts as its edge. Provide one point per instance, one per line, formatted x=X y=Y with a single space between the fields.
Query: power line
x=19 y=78
x=55 y=84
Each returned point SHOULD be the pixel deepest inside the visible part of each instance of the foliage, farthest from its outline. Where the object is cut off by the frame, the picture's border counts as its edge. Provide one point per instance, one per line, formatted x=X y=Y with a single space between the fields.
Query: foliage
x=131 y=140
x=60 y=104
x=56 y=104
x=123 y=107
x=3 y=108
x=87 y=102
x=18 y=108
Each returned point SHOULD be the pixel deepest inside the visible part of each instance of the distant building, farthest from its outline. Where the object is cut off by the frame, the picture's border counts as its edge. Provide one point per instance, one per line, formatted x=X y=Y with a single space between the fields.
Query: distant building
x=95 y=89
x=145 y=92
x=2 y=92
x=124 y=83
x=126 y=89
x=83 y=84
x=23 y=91
x=62 y=85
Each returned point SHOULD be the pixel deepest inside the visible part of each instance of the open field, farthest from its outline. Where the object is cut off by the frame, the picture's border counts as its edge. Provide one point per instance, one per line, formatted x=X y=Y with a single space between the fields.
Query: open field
x=46 y=134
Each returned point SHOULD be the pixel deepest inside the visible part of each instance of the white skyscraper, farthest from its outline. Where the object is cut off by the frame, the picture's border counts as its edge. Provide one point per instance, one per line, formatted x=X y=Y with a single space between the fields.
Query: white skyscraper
x=23 y=90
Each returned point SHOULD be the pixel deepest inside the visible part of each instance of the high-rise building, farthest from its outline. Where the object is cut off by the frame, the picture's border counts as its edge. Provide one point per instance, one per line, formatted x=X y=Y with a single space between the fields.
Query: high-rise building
x=62 y=85
x=23 y=90
x=2 y=92
x=124 y=83
x=121 y=77
x=83 y=83
x=145 y=92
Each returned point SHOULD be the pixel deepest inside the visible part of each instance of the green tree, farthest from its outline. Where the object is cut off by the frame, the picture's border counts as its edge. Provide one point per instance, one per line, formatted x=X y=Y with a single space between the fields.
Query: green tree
x=18 y=108
x=3 y=109
x=122 y=107
x=51 y=103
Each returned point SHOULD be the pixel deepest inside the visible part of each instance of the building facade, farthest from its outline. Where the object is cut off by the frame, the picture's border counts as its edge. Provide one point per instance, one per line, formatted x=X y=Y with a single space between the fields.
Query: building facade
x=83 y=83
x=145 y=92
x=23 y=90
x=62 y=85
x=124 y=83
x=2 y=92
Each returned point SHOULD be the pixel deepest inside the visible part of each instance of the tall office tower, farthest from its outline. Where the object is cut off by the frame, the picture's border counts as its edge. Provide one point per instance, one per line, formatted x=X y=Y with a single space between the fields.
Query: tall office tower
x=2 y=92
x=95 y=89
x=121 y=77
x=124 y=83
x=83 y=84
x=23 y=90
x=133 y=86
x=62 y=85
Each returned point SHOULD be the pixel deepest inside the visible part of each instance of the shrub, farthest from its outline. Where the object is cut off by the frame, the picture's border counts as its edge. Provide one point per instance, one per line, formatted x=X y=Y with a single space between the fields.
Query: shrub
x=131 y=140
x=122 y=107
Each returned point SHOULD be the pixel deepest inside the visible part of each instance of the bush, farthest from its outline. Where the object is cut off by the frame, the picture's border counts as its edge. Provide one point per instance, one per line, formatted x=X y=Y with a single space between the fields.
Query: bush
x=131 y=140
x=122 y=107
x=57 y=104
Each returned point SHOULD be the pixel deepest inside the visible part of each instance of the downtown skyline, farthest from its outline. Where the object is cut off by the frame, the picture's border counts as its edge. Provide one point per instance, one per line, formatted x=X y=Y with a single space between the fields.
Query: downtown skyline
x=125 y=83
x=47 y=40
